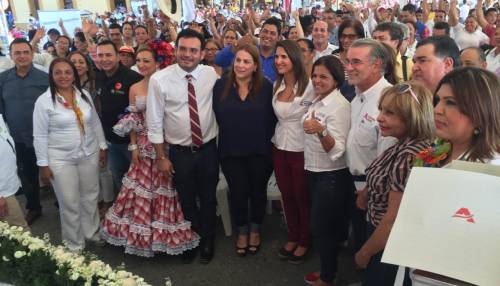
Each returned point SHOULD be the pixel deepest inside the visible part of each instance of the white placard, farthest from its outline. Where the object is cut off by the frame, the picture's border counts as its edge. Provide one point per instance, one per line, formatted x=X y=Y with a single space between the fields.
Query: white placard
x=449 y=223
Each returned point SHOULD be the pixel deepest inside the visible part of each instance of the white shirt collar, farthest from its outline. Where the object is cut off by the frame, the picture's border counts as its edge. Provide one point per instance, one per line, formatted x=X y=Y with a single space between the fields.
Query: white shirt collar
x=182 y=73
x=374 y=89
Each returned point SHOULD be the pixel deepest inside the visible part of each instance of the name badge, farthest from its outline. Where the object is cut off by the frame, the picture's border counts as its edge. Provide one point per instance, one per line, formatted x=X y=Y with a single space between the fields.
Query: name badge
x=306 y=103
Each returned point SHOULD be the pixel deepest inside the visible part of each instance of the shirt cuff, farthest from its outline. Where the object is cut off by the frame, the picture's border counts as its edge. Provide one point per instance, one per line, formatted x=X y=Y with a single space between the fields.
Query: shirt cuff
x=42 y=163
x=103 y=146
x=156 y=138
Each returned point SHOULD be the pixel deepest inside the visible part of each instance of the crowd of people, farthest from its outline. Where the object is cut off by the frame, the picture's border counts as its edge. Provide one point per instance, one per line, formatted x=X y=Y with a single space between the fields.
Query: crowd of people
x=339 y=105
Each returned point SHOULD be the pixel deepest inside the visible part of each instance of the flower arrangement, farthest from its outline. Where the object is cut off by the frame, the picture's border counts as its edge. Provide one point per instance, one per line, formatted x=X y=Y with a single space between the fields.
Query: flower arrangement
x=28 y=260
x=434 y=155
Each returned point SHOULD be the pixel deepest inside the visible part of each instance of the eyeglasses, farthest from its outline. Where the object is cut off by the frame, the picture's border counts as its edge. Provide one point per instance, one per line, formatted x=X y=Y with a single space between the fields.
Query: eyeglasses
x=402 y=88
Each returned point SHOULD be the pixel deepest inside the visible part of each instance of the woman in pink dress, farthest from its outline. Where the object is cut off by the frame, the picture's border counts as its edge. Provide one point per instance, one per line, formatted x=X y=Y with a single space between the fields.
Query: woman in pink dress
x=147 y=216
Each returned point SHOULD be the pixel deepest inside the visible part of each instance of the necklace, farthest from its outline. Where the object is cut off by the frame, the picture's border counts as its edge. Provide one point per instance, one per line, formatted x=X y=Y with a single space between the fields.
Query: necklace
x=434 y=155
x=76 y=109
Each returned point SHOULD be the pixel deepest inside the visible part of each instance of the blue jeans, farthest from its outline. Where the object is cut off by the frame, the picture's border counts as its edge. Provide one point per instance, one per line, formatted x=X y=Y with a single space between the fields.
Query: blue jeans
x=331 y=196
x=119 y=161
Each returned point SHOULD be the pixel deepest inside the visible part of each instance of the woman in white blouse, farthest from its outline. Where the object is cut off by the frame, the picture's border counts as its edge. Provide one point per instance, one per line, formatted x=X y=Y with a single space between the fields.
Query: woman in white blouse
x=69 y=144
x=292 y=95
x=329 y=182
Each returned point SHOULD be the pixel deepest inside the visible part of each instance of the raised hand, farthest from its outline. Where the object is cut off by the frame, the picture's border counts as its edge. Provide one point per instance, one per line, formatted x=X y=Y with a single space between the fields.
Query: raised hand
x=40 y=33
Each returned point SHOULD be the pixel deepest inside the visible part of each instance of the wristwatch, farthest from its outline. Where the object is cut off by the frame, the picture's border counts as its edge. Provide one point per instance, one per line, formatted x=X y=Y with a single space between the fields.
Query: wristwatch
x=132 y=147
x=323 y=133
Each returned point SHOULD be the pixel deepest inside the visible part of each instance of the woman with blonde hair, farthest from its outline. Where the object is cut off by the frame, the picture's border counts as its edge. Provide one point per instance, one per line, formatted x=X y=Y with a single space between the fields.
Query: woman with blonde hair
x=406 y=114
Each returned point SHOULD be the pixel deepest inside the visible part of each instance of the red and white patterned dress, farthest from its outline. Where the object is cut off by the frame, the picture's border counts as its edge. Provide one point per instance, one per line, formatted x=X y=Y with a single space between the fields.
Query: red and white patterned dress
x=147 y=216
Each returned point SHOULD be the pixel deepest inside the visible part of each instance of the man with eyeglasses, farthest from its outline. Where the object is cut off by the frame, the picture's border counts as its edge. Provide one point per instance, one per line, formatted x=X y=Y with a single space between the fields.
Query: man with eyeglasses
x=20 y=87
x=180 y=114
x=365 y=66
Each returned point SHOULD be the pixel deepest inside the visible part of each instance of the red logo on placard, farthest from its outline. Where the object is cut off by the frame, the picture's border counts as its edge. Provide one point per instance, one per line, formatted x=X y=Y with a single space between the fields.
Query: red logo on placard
x=465 y=214
x=118 y=86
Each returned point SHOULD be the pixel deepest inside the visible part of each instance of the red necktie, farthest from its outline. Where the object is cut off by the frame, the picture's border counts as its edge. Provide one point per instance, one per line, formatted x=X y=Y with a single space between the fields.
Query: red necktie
x=196 y=135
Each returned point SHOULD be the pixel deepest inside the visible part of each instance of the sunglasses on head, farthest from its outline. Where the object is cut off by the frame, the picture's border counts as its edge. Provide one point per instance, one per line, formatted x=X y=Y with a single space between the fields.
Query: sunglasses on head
x=405 y=87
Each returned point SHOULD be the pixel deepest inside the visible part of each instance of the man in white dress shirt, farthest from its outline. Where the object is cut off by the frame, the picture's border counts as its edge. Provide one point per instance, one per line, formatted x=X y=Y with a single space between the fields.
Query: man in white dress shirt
x=366 y=63
x=191 y=162
x=10 y=211
x=321 y=40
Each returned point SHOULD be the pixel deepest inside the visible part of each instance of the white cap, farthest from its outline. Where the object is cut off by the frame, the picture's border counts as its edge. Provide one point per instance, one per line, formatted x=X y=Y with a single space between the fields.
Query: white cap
x=276 y=15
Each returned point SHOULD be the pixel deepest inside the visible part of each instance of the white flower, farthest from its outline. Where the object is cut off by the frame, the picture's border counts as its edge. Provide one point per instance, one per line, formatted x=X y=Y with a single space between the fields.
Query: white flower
x=19 y=254
x=168 y=282
x=77 y=261
x=74 y=276
x=129 y=282
x=5 y=258
x=122 y=274
x=35 y=246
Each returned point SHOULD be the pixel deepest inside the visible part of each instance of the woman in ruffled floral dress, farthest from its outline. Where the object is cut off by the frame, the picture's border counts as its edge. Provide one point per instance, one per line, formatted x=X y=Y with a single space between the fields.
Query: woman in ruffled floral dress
x=147 y=216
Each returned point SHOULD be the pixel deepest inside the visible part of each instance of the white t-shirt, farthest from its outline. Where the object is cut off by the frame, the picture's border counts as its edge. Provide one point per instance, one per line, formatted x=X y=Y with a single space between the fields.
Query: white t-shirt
x=465 y=39
x=493 y=62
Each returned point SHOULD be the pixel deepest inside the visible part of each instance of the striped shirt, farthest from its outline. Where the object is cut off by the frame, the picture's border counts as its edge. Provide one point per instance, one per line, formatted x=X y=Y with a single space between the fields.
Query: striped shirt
x=389 y=172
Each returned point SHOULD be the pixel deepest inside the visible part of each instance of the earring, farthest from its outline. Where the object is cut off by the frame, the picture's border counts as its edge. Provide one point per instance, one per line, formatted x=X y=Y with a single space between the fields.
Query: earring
x=477 y=131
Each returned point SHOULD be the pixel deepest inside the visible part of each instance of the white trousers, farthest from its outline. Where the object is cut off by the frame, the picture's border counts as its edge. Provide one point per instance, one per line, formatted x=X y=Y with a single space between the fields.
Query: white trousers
x=76 y=184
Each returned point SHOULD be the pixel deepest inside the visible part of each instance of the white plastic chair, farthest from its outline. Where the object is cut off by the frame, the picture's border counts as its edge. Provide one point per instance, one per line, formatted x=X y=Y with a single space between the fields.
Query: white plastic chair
x=223 y=204
x=273 y=194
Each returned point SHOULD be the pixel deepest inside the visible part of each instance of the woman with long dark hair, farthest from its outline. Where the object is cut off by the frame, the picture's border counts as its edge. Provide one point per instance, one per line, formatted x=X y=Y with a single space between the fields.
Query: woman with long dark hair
x=293 y=93
x=243 y=110
x=69 y=144
x=85 y=71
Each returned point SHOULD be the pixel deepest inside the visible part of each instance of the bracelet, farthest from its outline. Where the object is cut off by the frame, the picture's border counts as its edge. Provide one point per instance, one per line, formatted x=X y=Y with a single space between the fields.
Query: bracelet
x=132 y=147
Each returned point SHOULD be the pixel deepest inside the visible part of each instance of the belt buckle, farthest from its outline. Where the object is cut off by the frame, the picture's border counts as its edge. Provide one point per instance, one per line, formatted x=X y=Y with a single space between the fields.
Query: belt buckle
x=194 y=149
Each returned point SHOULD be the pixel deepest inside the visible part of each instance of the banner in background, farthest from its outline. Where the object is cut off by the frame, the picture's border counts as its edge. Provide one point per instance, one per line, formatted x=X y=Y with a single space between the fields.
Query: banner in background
x=50 y=19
